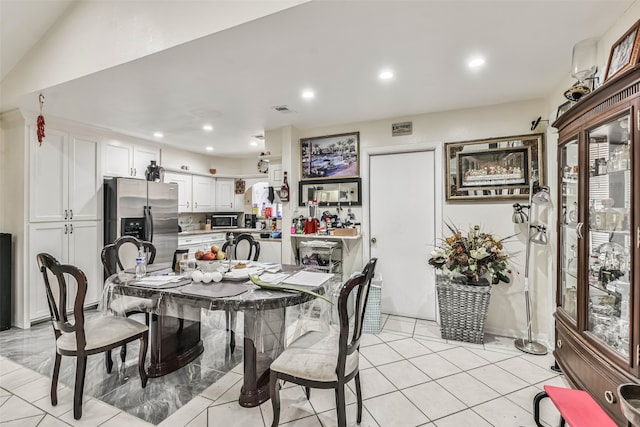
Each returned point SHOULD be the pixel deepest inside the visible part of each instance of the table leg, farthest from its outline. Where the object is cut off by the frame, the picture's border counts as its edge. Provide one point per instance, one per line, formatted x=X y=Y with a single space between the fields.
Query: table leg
x=264 y=339
x=174 y=342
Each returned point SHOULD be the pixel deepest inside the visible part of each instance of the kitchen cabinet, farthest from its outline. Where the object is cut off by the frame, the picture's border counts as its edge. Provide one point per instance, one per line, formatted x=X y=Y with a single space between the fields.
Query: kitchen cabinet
x=185 y=197
x=597 y=331
x=203 y=190
x=225 y=195
x=71 y=242
x=64 y=181
x=126 y=159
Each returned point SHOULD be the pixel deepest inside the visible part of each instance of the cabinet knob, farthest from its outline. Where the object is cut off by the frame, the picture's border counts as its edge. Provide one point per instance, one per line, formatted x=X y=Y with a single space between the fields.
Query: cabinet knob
x=374 y=240
x=609 y=397
x=559 y=344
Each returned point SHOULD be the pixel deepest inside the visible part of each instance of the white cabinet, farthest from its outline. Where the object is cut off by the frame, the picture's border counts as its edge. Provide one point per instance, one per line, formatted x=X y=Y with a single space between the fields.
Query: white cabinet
x=275 y=175
x=225 y=195
x=204 y=189
x=64 y=180
x=184 y=181
x=74 y=242
x=270 y=251
x=126 y=159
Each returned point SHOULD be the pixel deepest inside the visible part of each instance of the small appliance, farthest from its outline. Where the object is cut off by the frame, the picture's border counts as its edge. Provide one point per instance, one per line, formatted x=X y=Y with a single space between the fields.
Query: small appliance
x=223 y=220
x=250 y=220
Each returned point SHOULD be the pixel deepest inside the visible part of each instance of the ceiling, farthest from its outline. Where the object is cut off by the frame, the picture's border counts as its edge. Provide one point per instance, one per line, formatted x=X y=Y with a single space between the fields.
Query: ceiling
x=232 y=79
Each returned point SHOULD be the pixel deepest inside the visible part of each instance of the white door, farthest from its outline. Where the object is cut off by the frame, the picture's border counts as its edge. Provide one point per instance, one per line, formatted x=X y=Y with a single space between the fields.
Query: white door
x=402 y=203
x=84 y=184
x=117 y=159
x=184 y=190
x=142 y=156
x=225 y=194
x=49 y=177
x=84 y=253
x=204 y=189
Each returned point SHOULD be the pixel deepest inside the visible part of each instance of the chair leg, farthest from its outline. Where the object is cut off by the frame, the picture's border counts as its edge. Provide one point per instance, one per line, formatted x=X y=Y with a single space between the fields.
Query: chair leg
x=307 y=391
x=142 y=357
x=81 y=368
x=536 y=407
x=359 y=396
x=340 y=405
x=54 y=379
x=108 y=361
x=274 y=392
x=123 y=353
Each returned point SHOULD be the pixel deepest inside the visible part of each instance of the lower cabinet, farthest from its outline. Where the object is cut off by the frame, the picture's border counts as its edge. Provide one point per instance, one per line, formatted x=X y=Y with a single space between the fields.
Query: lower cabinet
x=70 y=242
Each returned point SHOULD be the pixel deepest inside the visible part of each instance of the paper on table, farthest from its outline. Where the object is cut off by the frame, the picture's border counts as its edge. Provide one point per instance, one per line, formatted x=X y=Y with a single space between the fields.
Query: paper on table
x=274 y=278
x=308 y=278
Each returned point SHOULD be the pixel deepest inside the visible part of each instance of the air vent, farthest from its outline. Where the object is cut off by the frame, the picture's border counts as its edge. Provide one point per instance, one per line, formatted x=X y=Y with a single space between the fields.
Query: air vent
x=260 y=137
x=283 y=109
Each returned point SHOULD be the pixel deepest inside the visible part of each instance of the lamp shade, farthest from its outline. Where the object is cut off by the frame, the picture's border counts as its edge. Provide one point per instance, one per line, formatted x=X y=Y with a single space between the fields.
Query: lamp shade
x=539 y=236
x=584 y=60
x=541 y=197
x=519 y=216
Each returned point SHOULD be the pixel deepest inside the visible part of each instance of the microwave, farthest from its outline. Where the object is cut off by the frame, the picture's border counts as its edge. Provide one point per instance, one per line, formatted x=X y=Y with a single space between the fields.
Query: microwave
x=223 y=220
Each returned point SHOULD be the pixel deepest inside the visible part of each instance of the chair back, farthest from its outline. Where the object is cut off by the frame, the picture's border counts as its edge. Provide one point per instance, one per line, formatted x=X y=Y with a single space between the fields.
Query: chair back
x=121 y=254
x=246 y=247
x=57 y=291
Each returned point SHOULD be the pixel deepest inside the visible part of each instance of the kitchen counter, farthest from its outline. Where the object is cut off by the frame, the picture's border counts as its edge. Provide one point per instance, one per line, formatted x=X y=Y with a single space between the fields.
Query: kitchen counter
x=225 y=230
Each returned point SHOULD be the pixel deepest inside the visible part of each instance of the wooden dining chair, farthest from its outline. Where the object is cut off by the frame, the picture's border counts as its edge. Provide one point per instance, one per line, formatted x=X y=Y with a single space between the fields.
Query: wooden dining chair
x=320 y=359
x=245 y=247
x=81 y=339
x=119 y=256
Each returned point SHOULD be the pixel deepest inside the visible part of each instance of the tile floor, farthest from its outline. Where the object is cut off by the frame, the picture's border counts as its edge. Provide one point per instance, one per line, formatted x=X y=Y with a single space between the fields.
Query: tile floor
x=410 y=377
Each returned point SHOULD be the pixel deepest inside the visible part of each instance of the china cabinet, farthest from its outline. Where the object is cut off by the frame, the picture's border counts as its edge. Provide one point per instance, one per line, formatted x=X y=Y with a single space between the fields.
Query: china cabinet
x=598 y=288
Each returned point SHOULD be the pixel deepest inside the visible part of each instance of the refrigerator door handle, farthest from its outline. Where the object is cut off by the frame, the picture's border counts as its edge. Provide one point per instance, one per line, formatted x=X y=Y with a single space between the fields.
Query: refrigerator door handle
x=148 y=223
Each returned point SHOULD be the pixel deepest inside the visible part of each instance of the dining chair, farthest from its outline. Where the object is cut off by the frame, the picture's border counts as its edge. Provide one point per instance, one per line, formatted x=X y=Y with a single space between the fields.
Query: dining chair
x=321 y=359
x=83 y=338
x=120 y=256
x=246 y=247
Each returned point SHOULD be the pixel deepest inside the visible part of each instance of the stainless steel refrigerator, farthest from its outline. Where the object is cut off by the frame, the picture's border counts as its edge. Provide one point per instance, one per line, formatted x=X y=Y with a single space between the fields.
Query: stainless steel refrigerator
x=145 y=209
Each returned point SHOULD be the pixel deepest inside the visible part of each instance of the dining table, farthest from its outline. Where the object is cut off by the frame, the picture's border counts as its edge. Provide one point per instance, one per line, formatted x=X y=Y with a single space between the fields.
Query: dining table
x=175 y=301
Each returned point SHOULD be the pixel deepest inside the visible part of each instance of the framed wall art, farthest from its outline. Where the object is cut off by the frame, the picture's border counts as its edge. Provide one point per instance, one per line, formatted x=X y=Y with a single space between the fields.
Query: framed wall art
x=624 y=52
x=330 y=156
x=497 y=168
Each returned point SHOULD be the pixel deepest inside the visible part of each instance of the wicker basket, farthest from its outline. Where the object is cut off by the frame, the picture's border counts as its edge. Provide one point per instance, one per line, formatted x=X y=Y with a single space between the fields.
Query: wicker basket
x=463 y=309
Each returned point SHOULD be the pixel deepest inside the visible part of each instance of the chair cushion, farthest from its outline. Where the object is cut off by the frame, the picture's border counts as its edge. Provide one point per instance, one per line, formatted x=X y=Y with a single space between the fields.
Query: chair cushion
x=123 y=305
x=314 y=356
x=101 y=332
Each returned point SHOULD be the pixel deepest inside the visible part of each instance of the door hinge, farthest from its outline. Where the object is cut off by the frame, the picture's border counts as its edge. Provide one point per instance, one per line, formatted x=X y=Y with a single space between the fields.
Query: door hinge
x=638 y=119
x=637 y=237
x=637 y=355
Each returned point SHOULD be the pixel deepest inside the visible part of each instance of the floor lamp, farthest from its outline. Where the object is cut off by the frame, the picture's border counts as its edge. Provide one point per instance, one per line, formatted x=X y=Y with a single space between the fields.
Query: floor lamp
x=539 y=236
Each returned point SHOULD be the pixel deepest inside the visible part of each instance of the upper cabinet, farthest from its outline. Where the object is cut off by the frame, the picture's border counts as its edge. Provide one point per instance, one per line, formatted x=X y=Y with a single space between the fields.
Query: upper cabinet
x=204 y=189
x=126 y=159
x=184 y=181
x=64 y=180
x=225 y=195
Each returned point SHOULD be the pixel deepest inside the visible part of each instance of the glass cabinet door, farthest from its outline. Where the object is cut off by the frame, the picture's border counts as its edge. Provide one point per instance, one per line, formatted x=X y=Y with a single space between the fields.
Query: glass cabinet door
x=570 y=198
x=609 y=242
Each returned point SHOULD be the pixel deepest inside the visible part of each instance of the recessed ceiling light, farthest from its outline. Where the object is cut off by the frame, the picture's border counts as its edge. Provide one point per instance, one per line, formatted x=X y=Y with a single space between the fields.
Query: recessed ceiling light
x=476 y=62
x=209 y=148
x=208 y=128
x=385 y=75
x=158 y=134
x=253 y=144
x=308 y=94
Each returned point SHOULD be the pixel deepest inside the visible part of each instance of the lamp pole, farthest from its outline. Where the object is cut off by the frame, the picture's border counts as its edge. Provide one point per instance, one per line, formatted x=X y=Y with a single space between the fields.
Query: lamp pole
x=528 y=345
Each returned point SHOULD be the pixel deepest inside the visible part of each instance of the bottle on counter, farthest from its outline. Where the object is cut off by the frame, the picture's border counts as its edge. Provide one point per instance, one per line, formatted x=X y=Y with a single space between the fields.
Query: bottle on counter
x=284 y=190
x=141 y=264
x=263 y=211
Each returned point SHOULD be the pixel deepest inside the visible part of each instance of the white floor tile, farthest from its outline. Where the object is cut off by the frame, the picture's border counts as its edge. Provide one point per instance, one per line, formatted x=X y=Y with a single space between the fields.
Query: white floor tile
x=463 y=358
x=311 y=421
x=410 y=347
x=369 y=339
x=324 y=400
x=493 y=355
x=467 y=389
x=402 y=318
x=403 y=374
x=435 y=366
x=15 y=408
x=373 y=384
x=502 y=412
x=65 y=402
x=390 y=336
x=201 y=420
x=187 y=413
x=124 y=419
x=498 y=379
x=427 y=330
x=380 y=354
x=34 y=390
x=94 y=413
x=24 y=422
x=330 y=418
x=526 y=370
x=435 y=344
x=293 y=405
x=394 y=325
x=7 y=365
x=231 y=414
x=433 y=400
x=230 y=396
x=466 y=418
x=17 y=378
x=221 y=386
x=50 y=421
x=395 y=409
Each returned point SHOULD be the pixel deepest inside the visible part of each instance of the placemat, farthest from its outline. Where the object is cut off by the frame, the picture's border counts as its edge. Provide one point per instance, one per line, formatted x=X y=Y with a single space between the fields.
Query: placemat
x=215 y=290
x=159 y=284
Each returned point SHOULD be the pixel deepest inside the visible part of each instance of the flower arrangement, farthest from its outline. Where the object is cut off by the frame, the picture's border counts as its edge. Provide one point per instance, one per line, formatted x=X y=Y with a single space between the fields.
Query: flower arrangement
x=475 y=254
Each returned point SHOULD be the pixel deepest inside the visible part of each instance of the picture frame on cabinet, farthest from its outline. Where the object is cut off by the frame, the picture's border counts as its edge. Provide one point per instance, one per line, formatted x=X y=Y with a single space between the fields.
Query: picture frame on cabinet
x=493 y=169
x=624 y=52
x=563 y=108
x=330 y=156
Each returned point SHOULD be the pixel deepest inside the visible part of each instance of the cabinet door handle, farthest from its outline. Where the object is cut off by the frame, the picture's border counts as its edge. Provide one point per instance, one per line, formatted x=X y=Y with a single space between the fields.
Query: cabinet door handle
x=66 y=229
x=71 y=229
x=135 y=171
x=187 y=204
x=71 y=214
x=130 y=171
x=579 y=230
x=66 y=214
x=609 y=397
x=195 y=204
x=559 y=344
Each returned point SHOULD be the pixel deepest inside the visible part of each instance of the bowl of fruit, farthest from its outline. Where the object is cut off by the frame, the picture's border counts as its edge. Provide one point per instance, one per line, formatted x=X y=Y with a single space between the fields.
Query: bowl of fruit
x=210 y=260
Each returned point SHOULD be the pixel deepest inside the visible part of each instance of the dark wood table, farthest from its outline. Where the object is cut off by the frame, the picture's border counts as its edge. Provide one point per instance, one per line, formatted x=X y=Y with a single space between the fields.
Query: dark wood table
x=174 y=327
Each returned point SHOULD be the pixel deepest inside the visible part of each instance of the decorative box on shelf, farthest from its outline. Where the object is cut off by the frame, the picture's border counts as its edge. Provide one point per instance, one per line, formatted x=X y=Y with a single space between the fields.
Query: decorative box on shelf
x=344 y=231
x=463 y=308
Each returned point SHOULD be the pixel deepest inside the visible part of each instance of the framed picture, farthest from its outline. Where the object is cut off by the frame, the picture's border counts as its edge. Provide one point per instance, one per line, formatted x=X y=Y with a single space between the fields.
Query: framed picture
x=624 y=52
x=330 y=156
x=563 y=109
x=497 y=168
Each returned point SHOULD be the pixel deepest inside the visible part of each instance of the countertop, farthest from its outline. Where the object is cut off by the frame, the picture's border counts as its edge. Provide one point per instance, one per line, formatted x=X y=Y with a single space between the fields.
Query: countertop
x=225 y=230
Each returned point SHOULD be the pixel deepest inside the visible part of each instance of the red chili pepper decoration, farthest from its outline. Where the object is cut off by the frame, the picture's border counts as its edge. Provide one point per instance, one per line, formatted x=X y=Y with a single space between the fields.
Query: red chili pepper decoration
x=40 y=123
